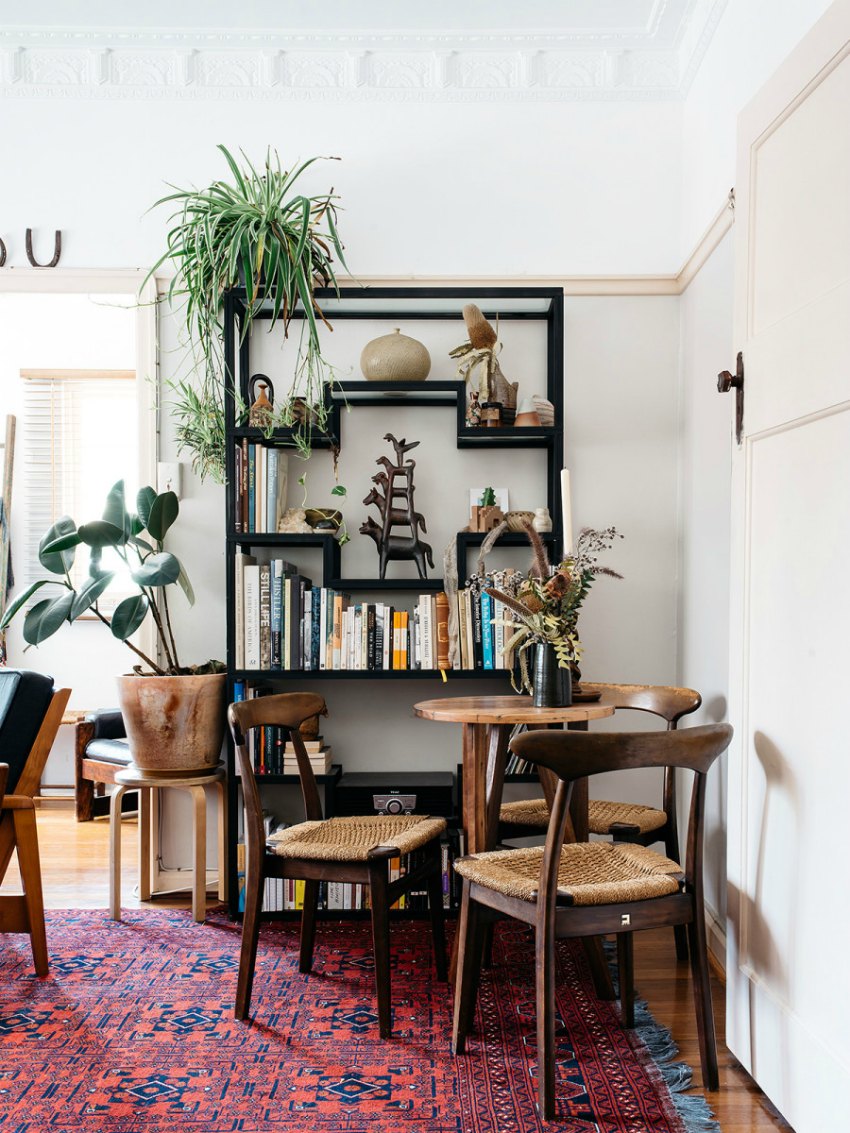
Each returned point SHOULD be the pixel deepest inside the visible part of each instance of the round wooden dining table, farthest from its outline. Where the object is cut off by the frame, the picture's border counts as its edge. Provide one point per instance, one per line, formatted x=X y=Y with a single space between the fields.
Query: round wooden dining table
x=486 y=723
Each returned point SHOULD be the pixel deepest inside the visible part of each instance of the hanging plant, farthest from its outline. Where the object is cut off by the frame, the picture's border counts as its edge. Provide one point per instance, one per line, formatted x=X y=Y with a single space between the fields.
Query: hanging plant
x=279 y=245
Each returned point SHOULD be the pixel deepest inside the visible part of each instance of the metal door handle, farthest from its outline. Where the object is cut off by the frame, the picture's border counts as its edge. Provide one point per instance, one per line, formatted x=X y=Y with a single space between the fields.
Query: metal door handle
x=726 y=382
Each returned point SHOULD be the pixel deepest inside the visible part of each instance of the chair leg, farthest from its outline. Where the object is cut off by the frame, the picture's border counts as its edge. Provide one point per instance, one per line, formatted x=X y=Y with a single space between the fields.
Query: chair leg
x=545 y=962
x=199 y=863
x=222 y=841
x=470 y=942
x=598 y=967
x=626 y=971
x=26 y=839
x=435 y=909
x=379 y=884
x=254 y=883
x=702 y=1000
x=487 y=949
x=308 y=926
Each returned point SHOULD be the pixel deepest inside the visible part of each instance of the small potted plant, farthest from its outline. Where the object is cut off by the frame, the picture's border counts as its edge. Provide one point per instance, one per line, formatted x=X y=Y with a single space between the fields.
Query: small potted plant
x=173 y=713
x=546 y=605
x=260 y=232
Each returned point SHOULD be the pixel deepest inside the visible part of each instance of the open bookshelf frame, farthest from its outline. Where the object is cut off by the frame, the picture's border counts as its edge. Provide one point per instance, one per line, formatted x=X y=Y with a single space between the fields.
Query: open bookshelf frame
x=538 y=304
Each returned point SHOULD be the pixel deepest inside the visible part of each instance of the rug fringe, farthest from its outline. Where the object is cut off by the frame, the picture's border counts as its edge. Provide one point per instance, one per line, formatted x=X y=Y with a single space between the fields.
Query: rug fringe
x=693 y=1109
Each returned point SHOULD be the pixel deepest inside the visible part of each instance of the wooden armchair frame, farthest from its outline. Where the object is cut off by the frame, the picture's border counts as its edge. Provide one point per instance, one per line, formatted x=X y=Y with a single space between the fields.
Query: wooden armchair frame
x=25 y=912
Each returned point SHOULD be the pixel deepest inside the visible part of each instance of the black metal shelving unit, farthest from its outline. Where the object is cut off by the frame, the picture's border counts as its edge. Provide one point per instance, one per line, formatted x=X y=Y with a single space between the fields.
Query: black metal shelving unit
x=527 y=304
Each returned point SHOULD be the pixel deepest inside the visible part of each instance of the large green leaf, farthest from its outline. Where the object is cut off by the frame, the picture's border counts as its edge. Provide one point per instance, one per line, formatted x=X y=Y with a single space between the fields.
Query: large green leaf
x=63 y=543
x=129 y=615
x=45 y=618
x=186 y=586
x=115 y=511
x=144 y=502
x=157 y=570
x=57 y=562
x=163 y=513
x=21 y=599
x=100 y=533
x=89 y=593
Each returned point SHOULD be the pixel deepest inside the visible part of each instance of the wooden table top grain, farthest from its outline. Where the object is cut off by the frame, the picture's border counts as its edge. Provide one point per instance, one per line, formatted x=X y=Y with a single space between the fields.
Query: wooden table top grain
x=504 y=710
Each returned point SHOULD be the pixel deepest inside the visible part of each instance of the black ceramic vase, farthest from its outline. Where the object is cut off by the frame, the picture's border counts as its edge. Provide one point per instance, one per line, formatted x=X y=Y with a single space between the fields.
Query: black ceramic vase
x=552 y=686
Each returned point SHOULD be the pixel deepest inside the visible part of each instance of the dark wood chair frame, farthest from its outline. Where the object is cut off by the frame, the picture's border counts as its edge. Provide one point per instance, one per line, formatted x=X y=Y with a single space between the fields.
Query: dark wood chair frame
x=670 y=704
x=92 y=776
x=288 y=711
x=25 y=912
x=570 y=756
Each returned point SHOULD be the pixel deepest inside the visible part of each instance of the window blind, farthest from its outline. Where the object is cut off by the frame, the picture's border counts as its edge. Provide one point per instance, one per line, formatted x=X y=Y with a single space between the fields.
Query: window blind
x=80 y=437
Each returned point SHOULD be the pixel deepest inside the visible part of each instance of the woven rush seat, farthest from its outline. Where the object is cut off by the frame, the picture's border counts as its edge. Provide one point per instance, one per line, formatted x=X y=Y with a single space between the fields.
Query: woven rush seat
x=525 y=812
x=352 y=839
x=602 y=815
x=591 y=873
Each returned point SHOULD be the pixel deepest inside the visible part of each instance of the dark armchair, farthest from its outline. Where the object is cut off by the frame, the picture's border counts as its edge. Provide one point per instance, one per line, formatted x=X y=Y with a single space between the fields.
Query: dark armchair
x=101 y=751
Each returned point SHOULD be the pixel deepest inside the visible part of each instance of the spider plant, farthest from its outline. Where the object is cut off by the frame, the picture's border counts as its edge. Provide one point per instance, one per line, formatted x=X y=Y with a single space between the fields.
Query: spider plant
x=260 y=232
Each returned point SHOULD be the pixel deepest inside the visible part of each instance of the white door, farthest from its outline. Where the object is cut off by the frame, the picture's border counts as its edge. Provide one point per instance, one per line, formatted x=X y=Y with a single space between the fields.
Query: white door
x=788 y=994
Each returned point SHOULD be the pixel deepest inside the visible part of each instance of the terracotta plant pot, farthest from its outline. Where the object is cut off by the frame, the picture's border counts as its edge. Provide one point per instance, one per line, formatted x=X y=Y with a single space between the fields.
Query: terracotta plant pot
x=175 y=725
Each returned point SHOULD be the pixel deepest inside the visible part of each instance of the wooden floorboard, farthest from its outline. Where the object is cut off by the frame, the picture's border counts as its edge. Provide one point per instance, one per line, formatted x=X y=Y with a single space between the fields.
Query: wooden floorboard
x=75 y=870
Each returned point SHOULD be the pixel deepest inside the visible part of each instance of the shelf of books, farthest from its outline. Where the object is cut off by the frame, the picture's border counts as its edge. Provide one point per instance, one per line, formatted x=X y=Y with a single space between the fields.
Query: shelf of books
x=285 y=624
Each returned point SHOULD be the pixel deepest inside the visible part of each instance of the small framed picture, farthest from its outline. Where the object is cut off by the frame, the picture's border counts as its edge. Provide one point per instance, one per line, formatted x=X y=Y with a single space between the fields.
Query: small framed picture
x=501 y=495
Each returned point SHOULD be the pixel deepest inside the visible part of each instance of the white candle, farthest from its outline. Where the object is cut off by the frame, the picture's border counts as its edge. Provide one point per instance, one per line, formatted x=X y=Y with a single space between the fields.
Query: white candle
x=566 y=512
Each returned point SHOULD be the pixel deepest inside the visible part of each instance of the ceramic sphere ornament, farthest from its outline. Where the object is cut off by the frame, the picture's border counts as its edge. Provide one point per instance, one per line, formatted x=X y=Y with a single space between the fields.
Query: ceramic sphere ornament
x=395 y=358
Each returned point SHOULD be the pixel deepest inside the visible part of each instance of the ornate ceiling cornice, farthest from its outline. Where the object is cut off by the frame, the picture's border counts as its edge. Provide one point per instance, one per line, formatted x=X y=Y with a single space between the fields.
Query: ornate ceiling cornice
x=654 y=62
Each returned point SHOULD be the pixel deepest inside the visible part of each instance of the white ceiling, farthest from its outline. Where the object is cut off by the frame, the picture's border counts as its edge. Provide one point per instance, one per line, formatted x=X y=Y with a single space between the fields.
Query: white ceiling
x=440 y=50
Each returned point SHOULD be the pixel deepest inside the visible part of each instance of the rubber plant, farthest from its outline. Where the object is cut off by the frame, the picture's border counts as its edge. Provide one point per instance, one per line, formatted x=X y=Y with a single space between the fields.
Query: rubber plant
x=257 y=231
x=138 y=541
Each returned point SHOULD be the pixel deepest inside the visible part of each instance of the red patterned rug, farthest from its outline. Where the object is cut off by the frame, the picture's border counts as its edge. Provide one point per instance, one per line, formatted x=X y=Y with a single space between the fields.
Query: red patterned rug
x=133 y=1030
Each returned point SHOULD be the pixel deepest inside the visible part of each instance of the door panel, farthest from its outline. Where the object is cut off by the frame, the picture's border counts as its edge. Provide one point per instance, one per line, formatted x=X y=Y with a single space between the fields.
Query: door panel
x=789 y=771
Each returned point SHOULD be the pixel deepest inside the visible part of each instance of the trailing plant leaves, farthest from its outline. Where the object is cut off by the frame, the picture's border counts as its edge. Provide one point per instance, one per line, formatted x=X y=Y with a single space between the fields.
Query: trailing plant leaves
x=45 y=618
x=60 y=559
x=144 y=502
x=101 y=533
x=21 y=599
x=163 y=513
x=89 y=593
x=157 y=570
x=129 y=615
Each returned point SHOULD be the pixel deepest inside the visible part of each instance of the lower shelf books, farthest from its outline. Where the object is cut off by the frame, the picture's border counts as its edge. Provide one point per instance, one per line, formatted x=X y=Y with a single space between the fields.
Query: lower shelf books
x=270 y=755
x=287 y=895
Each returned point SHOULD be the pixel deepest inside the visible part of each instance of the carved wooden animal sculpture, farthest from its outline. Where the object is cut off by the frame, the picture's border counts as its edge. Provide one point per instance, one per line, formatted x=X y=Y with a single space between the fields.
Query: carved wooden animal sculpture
x=401 y=447
x=398 y=547
x=397 y=515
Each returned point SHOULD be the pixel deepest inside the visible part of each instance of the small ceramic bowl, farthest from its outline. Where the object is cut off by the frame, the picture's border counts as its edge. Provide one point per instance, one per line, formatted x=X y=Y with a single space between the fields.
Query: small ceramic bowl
x=516 y=519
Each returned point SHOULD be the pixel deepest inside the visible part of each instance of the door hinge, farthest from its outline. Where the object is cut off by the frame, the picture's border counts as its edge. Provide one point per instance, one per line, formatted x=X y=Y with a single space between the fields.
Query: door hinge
x=727 y=382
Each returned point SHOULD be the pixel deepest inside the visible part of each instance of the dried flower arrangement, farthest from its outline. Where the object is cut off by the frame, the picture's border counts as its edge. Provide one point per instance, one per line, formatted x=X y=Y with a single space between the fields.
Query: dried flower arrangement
x=548 y=601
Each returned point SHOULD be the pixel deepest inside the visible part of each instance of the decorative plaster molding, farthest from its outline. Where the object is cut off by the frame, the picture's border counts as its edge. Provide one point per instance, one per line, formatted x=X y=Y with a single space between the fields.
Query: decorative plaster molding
x=653 y=62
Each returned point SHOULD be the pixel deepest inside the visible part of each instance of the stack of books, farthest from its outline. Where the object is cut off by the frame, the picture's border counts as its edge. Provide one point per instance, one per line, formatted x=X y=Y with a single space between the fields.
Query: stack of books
x=485 y=626
x=260 y=498
x=283 y=622
x=271 y=753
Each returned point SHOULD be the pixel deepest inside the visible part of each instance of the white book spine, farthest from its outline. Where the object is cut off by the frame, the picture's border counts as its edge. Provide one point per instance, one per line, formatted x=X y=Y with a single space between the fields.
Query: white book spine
x=252 y=616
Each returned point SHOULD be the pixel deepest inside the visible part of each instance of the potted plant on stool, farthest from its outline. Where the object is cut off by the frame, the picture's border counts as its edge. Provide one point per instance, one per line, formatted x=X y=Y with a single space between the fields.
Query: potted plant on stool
x=173 y=713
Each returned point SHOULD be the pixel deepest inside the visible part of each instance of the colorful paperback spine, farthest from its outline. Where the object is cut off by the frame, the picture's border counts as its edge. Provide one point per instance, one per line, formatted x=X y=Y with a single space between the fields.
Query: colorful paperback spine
x=277 y=612
x=243 y=485
x=487 y=631
x=237 y=502
x=252 y=487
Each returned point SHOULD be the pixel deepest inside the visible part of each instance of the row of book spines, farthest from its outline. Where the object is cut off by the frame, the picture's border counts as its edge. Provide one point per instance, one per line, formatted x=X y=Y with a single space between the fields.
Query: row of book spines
x=260 y=498
x=517 y=766
x=287 y=894
x=484 y=630
x=269 y=751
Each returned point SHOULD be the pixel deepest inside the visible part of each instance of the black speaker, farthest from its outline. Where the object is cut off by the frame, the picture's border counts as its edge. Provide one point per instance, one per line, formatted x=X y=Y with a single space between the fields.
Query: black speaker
x=399 y=792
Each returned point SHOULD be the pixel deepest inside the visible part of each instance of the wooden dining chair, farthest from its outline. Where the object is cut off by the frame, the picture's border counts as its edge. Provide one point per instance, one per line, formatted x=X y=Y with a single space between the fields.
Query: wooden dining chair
x=584 y=889
x=357 y=850
x=30 y=714
x=624 y=822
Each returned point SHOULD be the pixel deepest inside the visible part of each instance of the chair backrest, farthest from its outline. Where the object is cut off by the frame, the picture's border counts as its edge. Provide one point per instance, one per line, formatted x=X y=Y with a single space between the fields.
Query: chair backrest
x=666 y=701
x=287 y=711
x=30 y=714
x=24 y=700
x=4 y=775
x=574 y=755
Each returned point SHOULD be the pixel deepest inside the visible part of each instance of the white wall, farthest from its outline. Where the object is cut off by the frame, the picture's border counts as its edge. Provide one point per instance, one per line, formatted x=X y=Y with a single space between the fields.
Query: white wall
x=705 y=507
x=751 y=40
x=427 y=188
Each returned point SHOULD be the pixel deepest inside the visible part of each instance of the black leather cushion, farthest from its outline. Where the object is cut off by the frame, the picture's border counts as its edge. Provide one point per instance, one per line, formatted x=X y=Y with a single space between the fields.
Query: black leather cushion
x=108 y=724
x=109 y=751
x=24 y=699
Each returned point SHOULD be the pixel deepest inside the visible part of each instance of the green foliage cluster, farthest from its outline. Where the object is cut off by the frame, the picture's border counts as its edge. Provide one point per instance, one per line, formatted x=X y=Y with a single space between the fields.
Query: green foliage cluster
x=138 y=540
